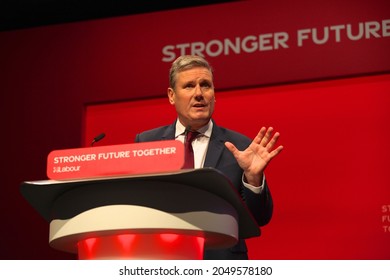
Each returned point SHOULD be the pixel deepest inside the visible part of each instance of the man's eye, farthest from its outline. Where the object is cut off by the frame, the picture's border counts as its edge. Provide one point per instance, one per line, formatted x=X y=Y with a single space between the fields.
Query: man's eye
x=205 y=85
x=189 y=86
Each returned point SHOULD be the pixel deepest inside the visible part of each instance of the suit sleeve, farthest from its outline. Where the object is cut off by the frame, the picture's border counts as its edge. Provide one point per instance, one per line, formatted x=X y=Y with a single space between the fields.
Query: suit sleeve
x=260 y=205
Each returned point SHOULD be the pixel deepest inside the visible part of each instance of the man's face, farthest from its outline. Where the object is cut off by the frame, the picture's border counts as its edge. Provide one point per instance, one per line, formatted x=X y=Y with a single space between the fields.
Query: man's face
x=193 y=97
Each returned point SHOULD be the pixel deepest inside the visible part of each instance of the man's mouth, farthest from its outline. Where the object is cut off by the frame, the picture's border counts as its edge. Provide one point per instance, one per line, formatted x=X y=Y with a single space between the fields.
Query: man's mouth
x=199 y=105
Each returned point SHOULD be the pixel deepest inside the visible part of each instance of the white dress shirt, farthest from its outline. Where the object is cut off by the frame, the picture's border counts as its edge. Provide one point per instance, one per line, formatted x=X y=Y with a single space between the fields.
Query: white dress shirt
x=200 y=145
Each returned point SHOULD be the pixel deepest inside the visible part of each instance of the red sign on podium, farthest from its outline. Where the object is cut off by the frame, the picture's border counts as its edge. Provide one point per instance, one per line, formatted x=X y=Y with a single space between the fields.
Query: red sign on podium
x=116 y=160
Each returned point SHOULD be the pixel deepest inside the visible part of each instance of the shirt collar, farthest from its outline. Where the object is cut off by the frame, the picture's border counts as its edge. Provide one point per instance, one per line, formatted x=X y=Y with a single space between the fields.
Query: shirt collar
x=205 y=130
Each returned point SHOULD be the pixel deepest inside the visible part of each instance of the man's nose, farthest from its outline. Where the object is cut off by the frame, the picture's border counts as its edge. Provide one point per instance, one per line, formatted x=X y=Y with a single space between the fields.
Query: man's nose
x=198 y=90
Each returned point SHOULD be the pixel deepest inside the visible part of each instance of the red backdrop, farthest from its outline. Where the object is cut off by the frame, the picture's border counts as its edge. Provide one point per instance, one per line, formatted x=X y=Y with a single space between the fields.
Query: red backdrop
x=332 y=173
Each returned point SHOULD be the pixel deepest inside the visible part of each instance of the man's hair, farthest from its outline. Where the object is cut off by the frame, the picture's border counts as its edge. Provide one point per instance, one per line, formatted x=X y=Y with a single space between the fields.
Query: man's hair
x=186 y=62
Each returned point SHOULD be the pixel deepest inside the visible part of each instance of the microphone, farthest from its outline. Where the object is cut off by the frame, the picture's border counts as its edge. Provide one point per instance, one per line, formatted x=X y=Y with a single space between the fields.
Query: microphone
x=98 y=138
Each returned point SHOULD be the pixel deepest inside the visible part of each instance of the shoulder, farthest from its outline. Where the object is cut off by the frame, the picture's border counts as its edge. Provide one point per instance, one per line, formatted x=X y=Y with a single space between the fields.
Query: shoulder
x=232 y=133
x=237 y=138
x=154 y=134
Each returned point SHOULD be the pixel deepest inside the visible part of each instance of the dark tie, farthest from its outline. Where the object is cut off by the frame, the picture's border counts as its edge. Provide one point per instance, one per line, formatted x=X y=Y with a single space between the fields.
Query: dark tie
x=188 y=151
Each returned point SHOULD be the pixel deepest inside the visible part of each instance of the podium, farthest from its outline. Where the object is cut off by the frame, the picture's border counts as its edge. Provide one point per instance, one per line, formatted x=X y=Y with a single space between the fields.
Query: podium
x=169 y=215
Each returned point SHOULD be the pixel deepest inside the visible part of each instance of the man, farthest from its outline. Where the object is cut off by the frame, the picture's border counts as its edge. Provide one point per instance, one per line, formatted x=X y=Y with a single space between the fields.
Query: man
x=243 y=161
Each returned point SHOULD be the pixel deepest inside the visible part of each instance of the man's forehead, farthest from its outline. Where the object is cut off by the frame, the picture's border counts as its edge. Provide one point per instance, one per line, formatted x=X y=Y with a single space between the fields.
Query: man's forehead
x=195 y=73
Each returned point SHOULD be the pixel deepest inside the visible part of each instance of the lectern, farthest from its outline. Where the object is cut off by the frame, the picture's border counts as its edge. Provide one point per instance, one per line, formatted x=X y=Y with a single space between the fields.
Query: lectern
x=168 y=215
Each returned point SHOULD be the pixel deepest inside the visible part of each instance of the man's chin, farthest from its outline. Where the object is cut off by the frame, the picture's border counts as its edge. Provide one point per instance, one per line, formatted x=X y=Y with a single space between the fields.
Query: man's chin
x=199 y=122
x=200 y=115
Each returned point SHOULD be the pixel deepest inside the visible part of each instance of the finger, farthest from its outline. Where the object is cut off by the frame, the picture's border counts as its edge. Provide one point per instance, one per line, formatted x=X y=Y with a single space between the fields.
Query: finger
x=273 y=141
x=267 y=137
x=275 y=152
x=260 y=135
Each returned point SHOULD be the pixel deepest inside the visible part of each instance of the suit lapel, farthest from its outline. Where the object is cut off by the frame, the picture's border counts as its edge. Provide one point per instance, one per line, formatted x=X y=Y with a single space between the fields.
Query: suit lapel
x=169 y=133
x=215 y=148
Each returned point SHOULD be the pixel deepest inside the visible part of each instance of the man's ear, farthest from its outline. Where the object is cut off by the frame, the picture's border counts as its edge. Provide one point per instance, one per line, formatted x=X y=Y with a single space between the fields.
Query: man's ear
x=171 y=97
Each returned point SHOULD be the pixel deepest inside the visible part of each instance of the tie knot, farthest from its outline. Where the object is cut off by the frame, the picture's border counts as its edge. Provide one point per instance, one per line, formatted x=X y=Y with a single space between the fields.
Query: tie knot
x=191 y=135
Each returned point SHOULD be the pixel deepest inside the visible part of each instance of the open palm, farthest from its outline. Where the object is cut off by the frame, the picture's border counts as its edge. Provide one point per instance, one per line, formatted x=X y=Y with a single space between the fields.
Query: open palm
x=254 y=159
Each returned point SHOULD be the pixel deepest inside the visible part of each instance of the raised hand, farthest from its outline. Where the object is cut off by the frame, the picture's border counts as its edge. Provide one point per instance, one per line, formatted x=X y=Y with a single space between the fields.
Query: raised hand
x=258 y=155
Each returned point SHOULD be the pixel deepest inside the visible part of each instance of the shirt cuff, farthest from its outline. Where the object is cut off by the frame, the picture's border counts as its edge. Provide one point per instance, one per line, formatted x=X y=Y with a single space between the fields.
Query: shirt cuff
x=256 y=190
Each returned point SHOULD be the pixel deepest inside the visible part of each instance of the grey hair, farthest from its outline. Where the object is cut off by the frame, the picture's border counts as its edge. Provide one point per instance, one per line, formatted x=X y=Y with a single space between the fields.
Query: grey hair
x=186 y=62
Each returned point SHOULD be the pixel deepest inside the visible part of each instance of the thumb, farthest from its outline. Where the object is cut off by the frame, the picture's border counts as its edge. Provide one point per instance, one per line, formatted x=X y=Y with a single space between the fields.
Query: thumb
x=230 y=146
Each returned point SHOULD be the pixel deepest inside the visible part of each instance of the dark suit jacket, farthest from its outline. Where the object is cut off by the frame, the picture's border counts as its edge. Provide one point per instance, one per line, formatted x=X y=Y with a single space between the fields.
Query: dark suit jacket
x=219 y=157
